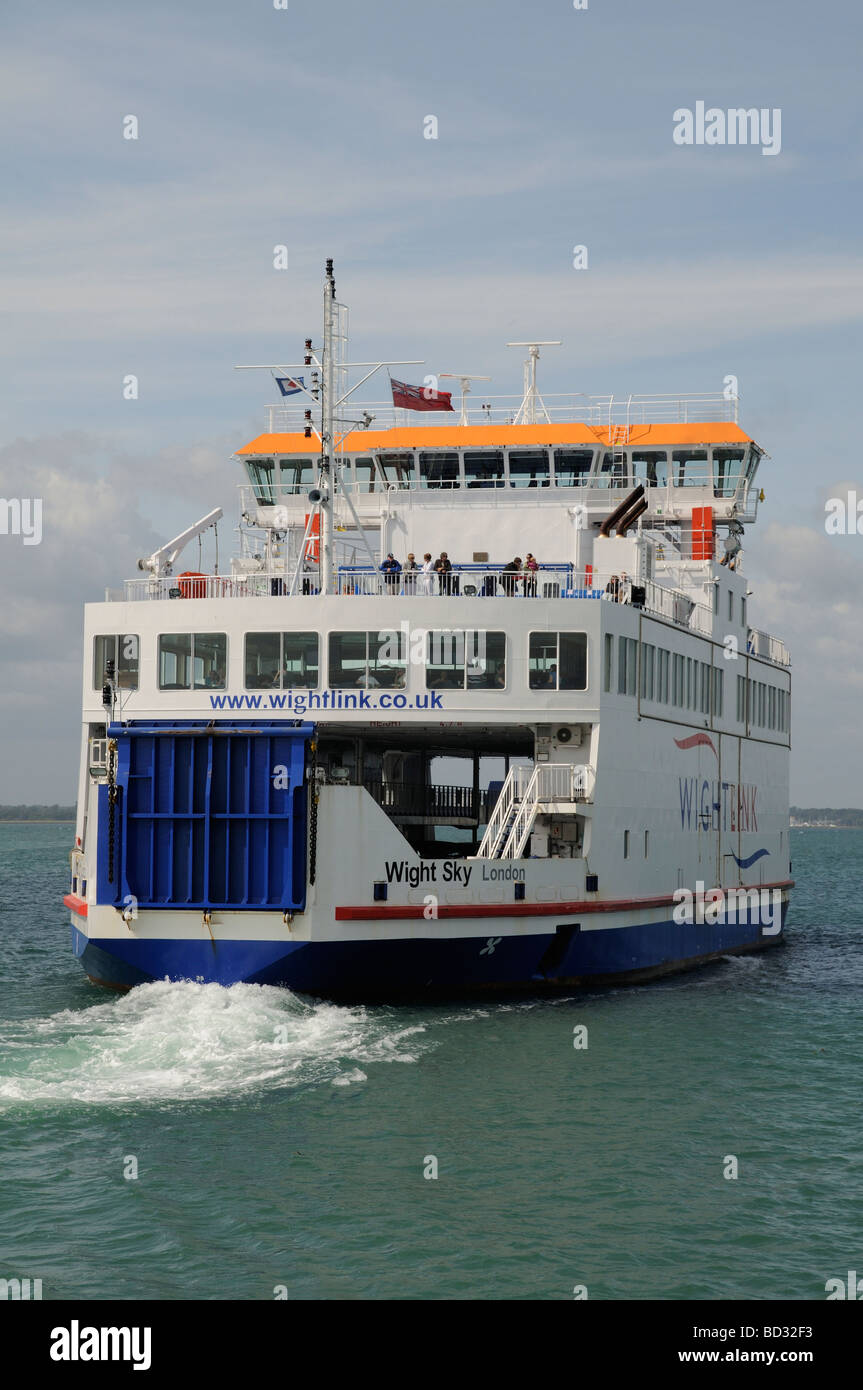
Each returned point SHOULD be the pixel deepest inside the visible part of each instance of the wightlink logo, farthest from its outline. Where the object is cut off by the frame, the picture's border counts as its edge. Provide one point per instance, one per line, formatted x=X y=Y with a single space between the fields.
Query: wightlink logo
x=755 y=907
x=737 y=126
x=76 y=1343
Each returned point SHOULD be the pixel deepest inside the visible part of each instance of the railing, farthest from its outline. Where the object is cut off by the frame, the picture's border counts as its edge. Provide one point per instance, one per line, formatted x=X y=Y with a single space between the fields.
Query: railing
x=772 y=648
x=462 y=581
x=601 y=411
x=437 y=802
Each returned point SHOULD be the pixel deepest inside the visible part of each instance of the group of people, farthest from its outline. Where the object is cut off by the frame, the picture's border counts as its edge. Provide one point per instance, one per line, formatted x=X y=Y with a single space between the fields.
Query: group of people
x=413 y=578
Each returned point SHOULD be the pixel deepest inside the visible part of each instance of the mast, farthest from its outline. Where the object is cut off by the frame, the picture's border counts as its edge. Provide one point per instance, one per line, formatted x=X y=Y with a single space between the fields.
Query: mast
x=327 y=431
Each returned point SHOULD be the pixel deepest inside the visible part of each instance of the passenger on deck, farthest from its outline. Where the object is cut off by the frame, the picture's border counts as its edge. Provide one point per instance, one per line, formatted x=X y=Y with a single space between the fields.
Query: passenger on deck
x=410 y=572
x=531 y=569
x=391 y=569
x=509 y=577
x=424 y=585
x=443 y=570
x=612 y=588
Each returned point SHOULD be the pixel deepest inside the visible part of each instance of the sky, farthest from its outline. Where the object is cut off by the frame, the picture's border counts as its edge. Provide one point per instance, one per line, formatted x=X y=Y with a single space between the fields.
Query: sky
x=303 y=126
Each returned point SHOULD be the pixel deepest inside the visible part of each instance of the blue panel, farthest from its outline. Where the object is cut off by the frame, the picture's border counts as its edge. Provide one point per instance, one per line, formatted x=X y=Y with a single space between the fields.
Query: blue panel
x=207 y=816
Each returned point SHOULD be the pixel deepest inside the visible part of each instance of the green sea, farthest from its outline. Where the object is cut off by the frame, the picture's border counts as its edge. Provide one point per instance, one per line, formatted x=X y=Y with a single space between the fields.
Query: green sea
x=193 y=1142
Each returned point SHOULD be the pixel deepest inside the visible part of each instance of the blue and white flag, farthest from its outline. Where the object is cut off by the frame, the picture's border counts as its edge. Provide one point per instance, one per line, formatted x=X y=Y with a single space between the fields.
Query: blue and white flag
x=290 y=385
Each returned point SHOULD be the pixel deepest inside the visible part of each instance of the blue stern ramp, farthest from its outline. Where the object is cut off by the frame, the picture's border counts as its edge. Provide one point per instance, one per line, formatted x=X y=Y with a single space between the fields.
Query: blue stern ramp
x=206 y=816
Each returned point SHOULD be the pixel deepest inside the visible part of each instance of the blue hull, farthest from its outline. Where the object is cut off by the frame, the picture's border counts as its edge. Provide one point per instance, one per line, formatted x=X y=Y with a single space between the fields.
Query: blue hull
x=388 y=969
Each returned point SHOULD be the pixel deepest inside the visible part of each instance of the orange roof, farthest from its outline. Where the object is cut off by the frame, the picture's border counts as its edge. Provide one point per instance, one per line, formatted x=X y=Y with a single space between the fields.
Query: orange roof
x=493 y=436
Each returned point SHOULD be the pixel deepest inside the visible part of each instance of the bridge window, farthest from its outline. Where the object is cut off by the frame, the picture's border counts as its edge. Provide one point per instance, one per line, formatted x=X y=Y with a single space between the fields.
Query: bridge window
x=650 y=467
x=528 y=468
x=122 y=649
x=465 y=660
x=613 y=471
x=297 y=475
x=367 y=659
x=365 y=475
x=727 y=471
x=572 y=467
x=193 y=660
x=557 y=661
x=397 y=468
x=439 y=470
x=483 y=468
x=261 y=476
x=281 y=660
x=690 y=468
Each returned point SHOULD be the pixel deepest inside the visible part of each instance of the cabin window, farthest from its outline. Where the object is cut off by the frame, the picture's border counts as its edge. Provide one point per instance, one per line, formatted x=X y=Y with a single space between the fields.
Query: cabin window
x=193 y=660
x=646 y=843
x=465 y=660
x=439 y=470
x=398 y=469
x=122 y=649
x=365 y=475
x=483 y=468
x=528 y=468
x=690 y=467
x=678 y=680
x=572 y=467
x=627 y=665
x=261 y=476
x=742 y=611
x=741 y=700
x=727 y=471
x=650 y=467
x=557 y=661
x=626 y=844
x=281 y=660
x=608 y=674
x=367 y=659
x=648 y=666
x=297 y=475
x=613 y=470
x=706 y=679
x=730 y=606
x=662 y=676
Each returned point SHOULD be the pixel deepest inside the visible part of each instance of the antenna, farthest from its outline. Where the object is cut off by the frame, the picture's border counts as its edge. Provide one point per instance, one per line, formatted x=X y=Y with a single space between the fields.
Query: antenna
x=465 y=379
x=526 y=414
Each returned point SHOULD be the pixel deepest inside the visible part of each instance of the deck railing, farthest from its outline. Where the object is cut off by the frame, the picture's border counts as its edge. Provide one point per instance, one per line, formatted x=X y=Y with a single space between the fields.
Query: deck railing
x=551 y=581
x=556 y=407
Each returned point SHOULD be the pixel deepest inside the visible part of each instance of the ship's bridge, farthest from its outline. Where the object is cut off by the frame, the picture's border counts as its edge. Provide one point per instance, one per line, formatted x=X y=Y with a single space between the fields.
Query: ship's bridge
x=708 y=463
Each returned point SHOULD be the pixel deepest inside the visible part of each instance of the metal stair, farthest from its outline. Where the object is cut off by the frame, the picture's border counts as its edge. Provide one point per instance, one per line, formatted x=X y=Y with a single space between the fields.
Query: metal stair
x=525 y=791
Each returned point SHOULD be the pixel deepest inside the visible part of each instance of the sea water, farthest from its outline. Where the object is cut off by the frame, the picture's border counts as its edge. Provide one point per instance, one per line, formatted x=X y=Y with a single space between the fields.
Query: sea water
x=186 y=1141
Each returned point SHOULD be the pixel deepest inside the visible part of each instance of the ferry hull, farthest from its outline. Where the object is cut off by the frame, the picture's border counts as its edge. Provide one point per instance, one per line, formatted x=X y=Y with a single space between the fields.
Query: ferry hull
x=387 y=969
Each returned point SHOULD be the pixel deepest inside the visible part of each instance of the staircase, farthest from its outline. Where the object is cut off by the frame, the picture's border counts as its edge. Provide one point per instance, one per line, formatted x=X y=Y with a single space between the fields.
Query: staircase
x=525 y=792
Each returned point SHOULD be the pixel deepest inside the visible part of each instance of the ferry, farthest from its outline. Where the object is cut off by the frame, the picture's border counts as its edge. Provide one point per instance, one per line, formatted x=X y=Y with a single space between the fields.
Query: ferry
x=478 y=704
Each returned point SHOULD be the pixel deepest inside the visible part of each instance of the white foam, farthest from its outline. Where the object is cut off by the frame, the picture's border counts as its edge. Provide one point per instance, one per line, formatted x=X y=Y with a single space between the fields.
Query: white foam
x=182 y=1041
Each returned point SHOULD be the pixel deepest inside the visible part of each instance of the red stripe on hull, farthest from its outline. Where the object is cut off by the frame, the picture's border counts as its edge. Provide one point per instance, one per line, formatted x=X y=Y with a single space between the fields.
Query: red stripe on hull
x=385 y=912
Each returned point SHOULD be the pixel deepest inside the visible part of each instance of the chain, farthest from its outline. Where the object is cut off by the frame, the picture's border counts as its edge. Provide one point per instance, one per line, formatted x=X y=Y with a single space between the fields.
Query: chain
x=112 y=805
x=313 y=813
